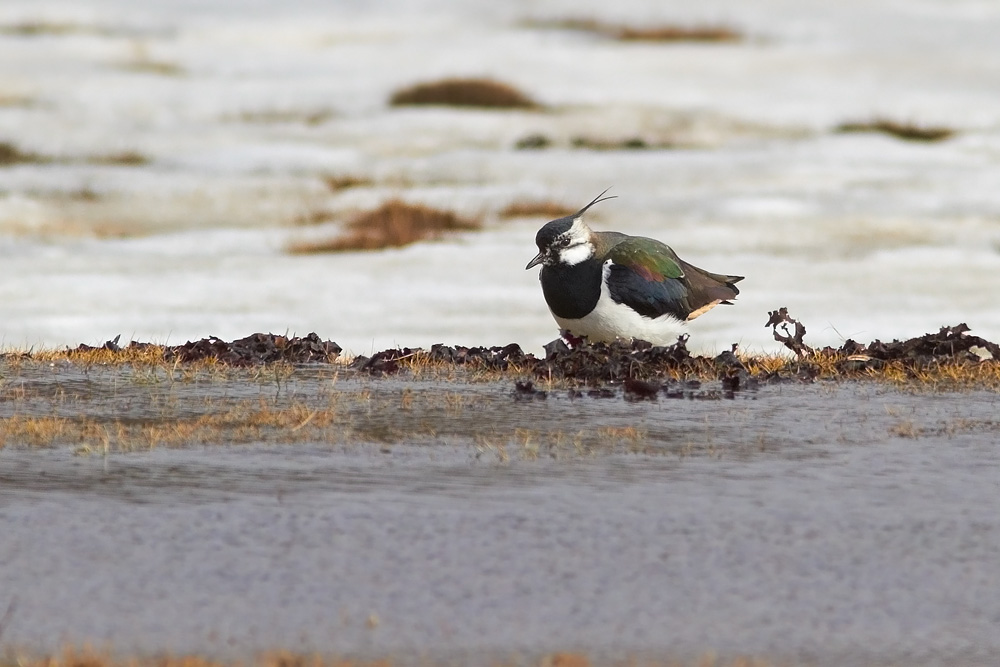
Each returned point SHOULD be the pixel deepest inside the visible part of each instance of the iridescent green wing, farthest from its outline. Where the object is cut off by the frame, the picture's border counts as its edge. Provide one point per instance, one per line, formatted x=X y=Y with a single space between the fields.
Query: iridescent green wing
x=646 y=275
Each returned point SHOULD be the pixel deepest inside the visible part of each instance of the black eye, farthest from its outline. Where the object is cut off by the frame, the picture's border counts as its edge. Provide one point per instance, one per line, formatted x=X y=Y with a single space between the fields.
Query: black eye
x=564 y=243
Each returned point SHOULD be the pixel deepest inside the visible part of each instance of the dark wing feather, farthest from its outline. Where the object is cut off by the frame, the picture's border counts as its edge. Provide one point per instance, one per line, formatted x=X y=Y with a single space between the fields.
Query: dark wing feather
x=647 y=276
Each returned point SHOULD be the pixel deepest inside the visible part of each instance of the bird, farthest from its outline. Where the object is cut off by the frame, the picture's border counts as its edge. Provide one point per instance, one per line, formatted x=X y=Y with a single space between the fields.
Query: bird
x=606 y=286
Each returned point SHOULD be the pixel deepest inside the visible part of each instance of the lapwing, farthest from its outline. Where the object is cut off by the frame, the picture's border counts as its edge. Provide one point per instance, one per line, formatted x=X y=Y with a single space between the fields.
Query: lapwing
x=607 y=285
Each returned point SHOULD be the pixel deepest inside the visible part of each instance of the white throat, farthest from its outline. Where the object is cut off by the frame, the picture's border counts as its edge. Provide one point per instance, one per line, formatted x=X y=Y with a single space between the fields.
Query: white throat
x=575 y=254
x=581 y=249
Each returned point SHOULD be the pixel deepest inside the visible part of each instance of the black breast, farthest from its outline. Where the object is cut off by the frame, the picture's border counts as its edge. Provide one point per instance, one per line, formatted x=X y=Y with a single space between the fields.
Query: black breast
x=572 y=291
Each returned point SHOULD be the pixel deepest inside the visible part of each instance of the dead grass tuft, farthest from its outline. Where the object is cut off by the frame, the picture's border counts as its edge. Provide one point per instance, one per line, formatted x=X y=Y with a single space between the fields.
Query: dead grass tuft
x=905 y=131
x=392 y=225
x=484 y=93
x=653 y=33
x=524 y=209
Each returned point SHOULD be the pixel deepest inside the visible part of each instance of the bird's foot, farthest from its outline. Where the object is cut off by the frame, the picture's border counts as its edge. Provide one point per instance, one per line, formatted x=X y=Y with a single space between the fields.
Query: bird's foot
x=572 y=341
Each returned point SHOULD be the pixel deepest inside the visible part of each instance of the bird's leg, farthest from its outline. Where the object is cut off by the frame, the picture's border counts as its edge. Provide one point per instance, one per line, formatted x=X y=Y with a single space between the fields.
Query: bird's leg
x=572 y=341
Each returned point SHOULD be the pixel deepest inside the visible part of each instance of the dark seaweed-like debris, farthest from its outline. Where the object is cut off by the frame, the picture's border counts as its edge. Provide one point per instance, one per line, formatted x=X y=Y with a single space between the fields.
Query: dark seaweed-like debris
x=257 y=349
x=643 y=370
x=254 y=350
x=526 y=391
x=638 y=390
x=948 y=343
x=793 y=341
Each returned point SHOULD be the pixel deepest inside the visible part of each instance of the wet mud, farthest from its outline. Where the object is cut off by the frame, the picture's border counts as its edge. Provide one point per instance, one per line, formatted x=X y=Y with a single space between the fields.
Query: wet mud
x=485 y=506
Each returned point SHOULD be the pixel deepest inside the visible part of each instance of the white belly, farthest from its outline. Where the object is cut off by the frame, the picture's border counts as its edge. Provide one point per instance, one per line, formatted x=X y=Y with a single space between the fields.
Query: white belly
x=610 y=320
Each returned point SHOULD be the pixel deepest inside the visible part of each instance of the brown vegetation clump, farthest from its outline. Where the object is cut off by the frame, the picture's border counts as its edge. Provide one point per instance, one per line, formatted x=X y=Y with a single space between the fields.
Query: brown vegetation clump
x=672 y=33
x=392 y=225
x=337 y=183
x=11 y=154
x=655 y=33
x=547 y=209
x=464 y=93
x=905 y=131
x=123 y=159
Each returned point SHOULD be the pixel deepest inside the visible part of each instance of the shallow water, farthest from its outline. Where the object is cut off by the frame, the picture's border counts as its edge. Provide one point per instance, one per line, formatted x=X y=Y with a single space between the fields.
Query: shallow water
x=839 y=524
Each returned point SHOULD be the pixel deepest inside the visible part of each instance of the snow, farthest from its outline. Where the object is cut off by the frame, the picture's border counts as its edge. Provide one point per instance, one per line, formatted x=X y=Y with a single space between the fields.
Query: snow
x=244 y=107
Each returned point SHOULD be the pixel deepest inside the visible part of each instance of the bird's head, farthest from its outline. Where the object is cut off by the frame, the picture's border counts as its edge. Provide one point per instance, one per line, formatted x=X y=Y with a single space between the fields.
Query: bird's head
x=566 y=241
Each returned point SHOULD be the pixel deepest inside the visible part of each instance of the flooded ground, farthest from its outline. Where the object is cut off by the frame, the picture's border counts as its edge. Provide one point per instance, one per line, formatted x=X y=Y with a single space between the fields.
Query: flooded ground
x=432 y=519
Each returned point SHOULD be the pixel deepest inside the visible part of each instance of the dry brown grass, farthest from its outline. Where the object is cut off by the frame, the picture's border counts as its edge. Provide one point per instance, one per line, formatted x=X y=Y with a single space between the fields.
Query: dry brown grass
x=944 y=375
x=652 y=33
x=243 y=422
x=546 y=209
x=484 y=93
x=675 y=33
x=905 y=131
x=392 y=225
x=149 y=355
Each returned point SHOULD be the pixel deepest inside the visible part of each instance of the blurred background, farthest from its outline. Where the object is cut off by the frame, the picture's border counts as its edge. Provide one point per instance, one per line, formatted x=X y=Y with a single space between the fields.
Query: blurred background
x=173 y=170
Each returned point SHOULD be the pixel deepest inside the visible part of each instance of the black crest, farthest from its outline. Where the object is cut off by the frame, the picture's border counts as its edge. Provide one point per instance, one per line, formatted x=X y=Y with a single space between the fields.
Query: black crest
x=555 y=228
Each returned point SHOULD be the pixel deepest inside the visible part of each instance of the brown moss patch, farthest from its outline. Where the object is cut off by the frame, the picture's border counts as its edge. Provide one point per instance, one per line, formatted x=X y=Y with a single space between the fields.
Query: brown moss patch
x=628 y=144
x=336 y=183
x=393 y=224
x=157 y=67
x=533 y=141
x=11 y=154
x=122 y=159
x=905 y=131
x=651 y=33
x=15 y=101
x=483 y=93
x=39 y=28
x=546 y=209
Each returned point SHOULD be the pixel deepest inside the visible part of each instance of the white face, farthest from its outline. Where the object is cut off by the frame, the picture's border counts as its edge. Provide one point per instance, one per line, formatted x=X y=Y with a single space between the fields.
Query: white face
x=575 y=245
